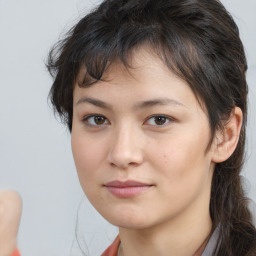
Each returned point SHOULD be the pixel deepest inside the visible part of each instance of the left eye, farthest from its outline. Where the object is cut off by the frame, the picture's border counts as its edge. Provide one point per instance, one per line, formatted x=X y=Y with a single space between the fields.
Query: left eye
x=159 y=120
x=96 y=120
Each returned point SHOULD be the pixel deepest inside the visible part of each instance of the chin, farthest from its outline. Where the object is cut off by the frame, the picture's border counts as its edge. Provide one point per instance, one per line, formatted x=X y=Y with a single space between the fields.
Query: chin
x=128 y=221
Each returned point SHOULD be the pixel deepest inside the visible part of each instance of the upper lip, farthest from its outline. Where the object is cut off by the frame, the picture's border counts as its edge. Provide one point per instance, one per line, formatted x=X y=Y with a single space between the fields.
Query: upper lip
x=127 y=183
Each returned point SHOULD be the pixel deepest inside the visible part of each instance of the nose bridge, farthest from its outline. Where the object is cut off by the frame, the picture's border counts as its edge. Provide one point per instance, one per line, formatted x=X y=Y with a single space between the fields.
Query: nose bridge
x=125 y=148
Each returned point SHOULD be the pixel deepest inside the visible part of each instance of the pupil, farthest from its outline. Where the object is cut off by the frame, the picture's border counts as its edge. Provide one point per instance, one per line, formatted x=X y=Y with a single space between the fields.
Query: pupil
x=99 y=119
x=160 y=120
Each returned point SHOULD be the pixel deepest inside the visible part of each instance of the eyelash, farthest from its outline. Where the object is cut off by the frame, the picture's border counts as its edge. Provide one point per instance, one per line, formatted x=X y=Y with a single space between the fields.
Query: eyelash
x=87 y=118
x=165 y=119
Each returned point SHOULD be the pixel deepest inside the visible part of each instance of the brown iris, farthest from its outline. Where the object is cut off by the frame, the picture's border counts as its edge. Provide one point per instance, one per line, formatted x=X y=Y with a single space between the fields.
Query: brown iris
x=99 y=120
x=160 y=120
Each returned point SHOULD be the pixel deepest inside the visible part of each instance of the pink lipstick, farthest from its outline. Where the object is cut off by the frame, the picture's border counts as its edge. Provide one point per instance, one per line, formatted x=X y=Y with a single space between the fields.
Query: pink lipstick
x=127 y=188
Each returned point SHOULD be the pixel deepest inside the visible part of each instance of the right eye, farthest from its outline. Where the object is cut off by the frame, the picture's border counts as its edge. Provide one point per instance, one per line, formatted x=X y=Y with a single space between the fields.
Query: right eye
x=96 y=120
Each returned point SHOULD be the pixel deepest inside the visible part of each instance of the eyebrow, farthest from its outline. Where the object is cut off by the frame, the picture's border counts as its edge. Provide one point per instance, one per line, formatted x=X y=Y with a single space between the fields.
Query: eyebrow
x=142 y=104
x=94 y=102
x=160 y=101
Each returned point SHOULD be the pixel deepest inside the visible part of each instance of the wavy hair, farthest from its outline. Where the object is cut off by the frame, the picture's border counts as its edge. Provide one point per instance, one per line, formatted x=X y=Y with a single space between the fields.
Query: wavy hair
x=199 y=41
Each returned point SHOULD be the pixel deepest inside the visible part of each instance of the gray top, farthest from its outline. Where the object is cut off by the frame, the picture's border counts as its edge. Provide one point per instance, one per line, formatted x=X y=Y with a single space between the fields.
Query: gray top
x=209 y=249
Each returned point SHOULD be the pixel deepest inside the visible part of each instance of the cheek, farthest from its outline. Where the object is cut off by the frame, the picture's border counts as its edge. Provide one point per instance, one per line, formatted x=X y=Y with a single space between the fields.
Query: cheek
x=87 y=157
x=182 y=161
x=82 y=154
x=183 y=176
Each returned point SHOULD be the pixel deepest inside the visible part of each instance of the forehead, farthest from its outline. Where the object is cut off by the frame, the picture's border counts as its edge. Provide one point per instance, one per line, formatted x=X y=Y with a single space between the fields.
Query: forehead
x=146 y=78
x=141 y=62
x=143 y=67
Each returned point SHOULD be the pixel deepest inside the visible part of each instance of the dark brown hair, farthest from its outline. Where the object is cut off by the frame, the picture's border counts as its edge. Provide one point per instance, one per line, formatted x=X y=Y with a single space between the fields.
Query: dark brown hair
x=199 y=41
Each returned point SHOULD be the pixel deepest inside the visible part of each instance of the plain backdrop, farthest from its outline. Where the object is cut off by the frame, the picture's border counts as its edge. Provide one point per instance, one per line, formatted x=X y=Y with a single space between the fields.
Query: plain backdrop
x=35 y=152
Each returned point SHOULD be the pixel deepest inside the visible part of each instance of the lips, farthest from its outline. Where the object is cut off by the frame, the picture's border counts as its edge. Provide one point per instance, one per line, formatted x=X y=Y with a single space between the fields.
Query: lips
x=127 y=189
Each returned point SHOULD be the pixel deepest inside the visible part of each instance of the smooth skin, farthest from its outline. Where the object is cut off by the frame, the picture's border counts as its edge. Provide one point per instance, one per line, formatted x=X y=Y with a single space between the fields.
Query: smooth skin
x=145 y=124
x=10 y=213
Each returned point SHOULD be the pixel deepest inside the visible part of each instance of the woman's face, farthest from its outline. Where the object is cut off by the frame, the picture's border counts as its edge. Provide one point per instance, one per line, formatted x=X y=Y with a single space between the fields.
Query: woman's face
x=139 y=141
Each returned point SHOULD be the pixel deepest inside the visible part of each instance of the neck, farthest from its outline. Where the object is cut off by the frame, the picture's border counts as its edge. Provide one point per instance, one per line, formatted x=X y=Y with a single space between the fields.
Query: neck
x=182 y=236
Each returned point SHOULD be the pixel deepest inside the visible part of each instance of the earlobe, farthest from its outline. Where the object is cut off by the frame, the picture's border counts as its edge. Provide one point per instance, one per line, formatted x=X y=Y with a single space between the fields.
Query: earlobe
x=226 y=140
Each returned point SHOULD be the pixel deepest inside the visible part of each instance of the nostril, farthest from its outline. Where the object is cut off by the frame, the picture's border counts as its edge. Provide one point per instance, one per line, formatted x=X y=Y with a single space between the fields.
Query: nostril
x=133 y=164
x=123 y=164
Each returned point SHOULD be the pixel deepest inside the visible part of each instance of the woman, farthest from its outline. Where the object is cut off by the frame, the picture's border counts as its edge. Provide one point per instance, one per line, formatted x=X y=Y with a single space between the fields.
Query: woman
x=155 y=97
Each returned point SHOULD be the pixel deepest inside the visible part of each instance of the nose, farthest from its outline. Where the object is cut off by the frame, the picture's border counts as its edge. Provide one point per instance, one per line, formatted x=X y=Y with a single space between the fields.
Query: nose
x=126 y=148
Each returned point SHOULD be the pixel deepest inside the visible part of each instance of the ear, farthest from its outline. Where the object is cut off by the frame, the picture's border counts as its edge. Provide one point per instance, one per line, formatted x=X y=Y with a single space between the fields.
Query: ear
x=226 y=140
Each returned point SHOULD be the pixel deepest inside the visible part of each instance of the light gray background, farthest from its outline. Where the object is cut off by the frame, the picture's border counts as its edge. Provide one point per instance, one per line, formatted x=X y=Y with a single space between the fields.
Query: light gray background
x=35 y=154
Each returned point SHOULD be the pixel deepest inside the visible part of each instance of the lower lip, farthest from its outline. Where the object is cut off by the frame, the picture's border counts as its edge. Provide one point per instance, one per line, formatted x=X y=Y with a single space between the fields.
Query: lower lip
x=127 y=192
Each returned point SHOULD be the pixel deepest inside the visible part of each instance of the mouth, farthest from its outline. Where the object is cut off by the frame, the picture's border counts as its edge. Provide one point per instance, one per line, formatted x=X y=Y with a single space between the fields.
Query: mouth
x=127 y=189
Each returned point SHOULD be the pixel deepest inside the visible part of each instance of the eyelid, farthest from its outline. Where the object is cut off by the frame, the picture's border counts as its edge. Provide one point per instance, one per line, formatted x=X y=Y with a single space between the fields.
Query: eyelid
x=87 y=117
x=168 y=118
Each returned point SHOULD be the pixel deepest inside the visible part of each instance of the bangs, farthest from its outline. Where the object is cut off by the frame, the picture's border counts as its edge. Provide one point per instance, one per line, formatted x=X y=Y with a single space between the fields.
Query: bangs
x=108 y=46
x=183 y=34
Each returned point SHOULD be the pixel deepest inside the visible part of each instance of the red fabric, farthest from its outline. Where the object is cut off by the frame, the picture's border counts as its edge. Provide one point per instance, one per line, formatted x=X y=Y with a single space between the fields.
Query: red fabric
x=113 y=248
x=201 y=249
x=16 y=253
